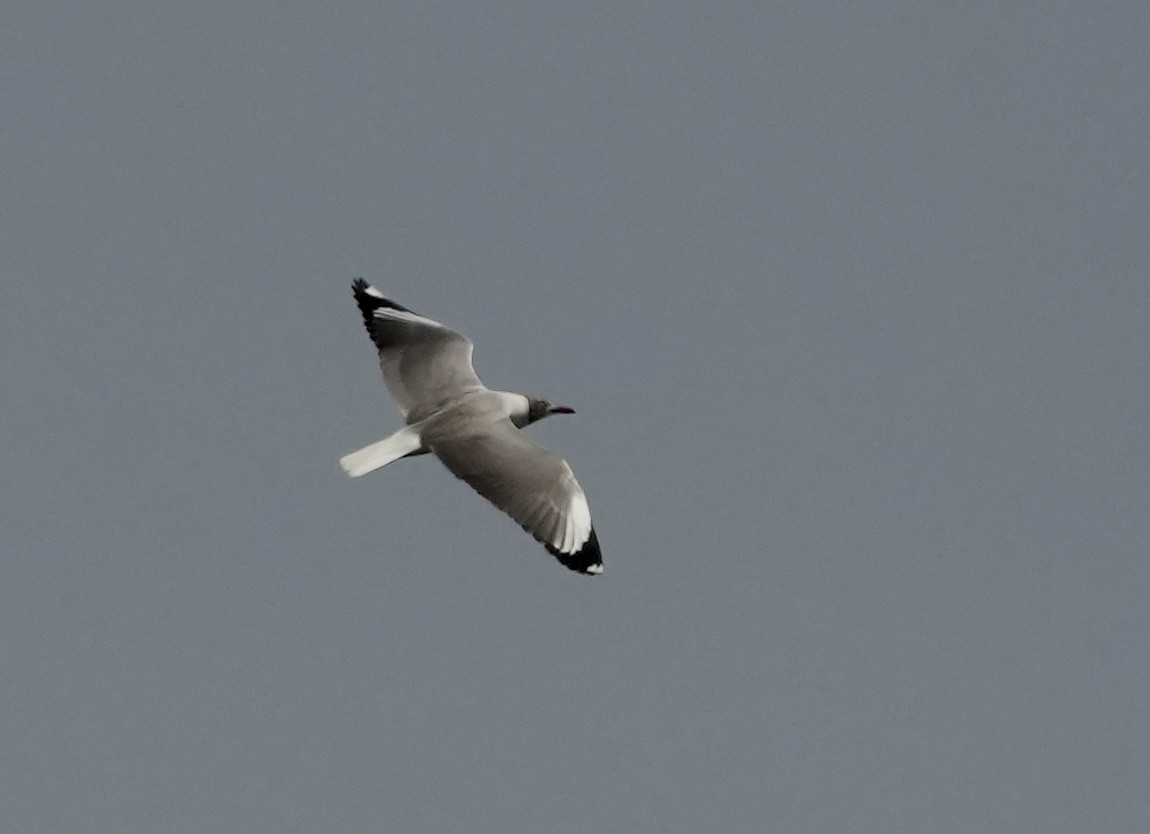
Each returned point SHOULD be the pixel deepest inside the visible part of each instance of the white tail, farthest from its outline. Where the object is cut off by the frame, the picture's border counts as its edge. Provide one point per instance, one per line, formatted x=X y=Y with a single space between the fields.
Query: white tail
x=370 y=458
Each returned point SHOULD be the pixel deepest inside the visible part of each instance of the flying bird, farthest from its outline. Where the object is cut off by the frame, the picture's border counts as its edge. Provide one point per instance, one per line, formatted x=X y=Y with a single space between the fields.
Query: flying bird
x=473 y=430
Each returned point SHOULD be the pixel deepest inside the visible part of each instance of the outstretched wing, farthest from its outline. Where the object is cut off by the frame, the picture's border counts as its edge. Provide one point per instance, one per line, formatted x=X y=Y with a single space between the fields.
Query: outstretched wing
x=425 y=364
x=531 y=484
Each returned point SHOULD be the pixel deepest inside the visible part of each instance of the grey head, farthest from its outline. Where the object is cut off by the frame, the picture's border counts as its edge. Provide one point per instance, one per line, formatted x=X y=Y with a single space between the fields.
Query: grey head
x=537 y=409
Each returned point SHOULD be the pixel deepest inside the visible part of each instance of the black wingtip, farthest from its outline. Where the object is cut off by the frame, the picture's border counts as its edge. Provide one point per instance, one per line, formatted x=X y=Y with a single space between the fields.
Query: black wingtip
x=369 y=298
x=588 y=560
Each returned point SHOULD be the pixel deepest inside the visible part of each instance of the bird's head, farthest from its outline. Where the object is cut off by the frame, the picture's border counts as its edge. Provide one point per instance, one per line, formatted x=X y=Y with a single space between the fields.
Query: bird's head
x=538 y=409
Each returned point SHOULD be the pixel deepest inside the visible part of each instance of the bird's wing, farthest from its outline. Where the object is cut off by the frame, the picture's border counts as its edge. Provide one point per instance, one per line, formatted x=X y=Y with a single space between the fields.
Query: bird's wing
x=531 y=484
x=425 y=364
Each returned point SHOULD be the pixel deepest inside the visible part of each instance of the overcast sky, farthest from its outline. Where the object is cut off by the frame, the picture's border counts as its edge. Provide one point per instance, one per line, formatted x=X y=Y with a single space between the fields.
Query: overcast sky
x=852 y=300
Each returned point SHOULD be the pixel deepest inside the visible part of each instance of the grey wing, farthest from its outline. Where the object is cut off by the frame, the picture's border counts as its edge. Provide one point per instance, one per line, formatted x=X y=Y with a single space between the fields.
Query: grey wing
x=424 y=363
x=531 y=484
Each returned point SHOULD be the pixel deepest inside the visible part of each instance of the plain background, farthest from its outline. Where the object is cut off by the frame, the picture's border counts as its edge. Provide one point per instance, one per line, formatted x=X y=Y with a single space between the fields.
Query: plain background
x=852 y=300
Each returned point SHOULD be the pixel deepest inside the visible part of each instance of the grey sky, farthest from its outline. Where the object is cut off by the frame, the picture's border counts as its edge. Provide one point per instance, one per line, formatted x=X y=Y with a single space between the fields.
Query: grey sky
x=852 y=300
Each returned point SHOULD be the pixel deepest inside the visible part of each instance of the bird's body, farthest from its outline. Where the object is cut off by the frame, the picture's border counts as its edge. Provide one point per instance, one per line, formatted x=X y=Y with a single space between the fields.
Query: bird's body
x=473 y=430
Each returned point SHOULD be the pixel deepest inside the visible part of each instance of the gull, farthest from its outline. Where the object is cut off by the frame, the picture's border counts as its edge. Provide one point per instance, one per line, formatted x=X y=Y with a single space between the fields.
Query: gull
x=474 y=431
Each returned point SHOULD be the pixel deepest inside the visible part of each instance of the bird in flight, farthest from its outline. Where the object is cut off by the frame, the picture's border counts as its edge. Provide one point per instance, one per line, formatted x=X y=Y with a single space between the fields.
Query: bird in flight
x=473 y=430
